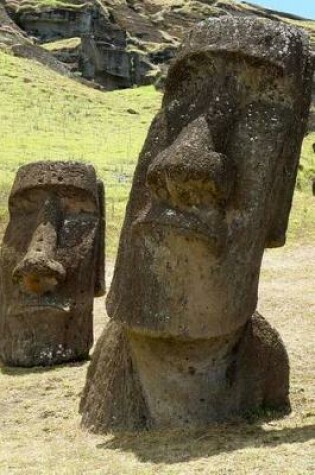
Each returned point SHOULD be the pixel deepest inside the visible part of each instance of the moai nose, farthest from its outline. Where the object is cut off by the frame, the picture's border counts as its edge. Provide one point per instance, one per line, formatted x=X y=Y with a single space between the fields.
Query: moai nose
x=38 y=272
x=190 y=172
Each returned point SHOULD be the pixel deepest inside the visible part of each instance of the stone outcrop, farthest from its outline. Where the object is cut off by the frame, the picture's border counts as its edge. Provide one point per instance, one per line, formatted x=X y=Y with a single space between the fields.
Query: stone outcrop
x=124 y=43
x=212 y=189
x=113 y=65
x=105 y=55
x=49 y=24
x=66 y=51
x=15 y=40
x=51 y=264
x=10 y=33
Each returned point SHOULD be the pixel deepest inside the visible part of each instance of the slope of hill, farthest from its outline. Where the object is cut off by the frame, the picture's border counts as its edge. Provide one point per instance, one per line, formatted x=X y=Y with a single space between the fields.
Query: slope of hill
x=47 y=116
x=44 y=115
x=124 y=42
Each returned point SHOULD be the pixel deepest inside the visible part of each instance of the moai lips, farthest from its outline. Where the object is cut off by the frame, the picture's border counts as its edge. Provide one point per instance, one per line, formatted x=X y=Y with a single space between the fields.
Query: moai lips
x=51 y=264
x=212 y=189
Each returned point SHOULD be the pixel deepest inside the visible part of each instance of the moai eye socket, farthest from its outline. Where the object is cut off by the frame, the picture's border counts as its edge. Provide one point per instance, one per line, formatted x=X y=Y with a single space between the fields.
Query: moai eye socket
x=79 y=204
x=27 y=201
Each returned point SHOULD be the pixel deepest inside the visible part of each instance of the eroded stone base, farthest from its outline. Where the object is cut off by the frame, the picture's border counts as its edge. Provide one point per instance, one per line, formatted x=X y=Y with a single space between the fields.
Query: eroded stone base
x=138 y=382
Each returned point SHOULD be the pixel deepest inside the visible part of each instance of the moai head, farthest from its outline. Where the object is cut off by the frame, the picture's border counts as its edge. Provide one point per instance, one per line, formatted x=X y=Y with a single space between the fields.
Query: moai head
x=51 y=264
x=212 y=189
x=214 y=183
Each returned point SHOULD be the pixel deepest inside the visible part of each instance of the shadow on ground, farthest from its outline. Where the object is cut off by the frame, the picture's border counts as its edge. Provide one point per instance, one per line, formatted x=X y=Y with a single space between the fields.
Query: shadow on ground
x=176 y=447
x=21 y=371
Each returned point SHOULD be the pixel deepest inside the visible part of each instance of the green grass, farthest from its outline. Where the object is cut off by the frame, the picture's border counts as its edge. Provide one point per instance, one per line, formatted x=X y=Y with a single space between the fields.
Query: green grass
x=302 y=219
x=68 y=43
x=30 y=5
x=307 y=162
x=45 y=116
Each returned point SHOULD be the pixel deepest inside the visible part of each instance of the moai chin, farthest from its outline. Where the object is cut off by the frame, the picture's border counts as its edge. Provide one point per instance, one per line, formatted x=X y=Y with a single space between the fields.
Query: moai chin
x=212 y=189
x=51 y=264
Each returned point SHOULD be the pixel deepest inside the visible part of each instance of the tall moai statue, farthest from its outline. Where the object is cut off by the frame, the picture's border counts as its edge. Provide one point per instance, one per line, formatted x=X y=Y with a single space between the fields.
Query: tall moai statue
x=51 y=264
x=212 y=189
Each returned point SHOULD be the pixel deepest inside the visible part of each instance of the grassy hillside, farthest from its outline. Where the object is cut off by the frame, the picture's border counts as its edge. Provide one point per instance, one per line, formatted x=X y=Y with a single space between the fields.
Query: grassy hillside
x=46 y=116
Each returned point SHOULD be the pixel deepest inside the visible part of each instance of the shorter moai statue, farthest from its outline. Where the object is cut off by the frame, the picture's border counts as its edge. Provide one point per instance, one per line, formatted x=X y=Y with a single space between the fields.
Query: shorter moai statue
x=212 y=189
x=51 y=264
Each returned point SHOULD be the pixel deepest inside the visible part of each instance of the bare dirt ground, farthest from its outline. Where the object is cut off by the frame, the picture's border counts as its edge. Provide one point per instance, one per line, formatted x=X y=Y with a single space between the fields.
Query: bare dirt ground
x=40 y=427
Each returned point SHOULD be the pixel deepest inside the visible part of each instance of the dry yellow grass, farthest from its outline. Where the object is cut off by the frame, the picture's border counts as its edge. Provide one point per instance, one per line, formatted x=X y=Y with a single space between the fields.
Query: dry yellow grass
x=40 y=425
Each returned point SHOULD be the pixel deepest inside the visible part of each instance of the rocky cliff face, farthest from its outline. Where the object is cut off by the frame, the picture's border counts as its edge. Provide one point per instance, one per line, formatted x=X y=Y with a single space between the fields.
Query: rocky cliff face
x=16 y=39
x=122 y=43
x=10 y=33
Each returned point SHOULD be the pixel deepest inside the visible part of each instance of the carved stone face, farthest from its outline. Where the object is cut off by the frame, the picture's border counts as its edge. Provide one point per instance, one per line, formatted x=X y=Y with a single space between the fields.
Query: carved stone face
x=214 y=183
x=51 y=262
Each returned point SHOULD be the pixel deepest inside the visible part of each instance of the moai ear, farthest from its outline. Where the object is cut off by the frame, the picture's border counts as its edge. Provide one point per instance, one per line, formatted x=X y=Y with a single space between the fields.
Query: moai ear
x=282 y=198
x=99 y=286
x=282 y=193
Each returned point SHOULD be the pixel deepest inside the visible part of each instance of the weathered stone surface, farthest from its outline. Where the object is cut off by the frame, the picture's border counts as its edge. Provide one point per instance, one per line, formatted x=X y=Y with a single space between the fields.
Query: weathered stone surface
x=55 y=23
x=212 y=189
x=113 y=67
x=127 y=43
x=51 y=264
x=10 y=33
x=14 y=39
x=103 y=56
